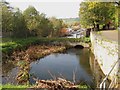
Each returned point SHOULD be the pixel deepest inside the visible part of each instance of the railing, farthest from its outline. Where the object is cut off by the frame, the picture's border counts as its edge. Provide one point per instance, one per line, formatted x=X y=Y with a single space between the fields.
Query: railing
x=103 y=84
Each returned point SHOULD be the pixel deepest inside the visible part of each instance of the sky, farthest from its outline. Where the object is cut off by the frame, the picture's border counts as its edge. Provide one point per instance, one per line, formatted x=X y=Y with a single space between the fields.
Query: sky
x=56 y=8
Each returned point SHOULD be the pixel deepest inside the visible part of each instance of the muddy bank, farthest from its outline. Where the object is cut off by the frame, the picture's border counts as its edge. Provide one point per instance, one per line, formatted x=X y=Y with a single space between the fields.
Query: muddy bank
x=22 y=59
x=34 y=52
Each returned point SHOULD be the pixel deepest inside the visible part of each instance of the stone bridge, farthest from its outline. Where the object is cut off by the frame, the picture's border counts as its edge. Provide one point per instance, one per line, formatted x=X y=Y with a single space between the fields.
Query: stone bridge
x=78 y=44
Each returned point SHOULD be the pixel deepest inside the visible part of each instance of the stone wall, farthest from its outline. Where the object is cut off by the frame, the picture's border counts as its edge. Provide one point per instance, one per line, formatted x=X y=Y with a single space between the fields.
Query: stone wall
x=106 y=53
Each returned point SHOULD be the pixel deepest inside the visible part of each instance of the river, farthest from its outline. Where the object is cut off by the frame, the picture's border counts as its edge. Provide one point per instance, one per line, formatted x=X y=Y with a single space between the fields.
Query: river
x=70 y=62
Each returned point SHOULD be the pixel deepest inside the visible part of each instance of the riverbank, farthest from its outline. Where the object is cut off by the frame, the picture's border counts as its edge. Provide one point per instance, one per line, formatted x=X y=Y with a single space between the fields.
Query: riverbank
x=36 y=52
x=23 y=73
x=31 y=50
x=10 y=46
x=43 y=85
x=58 y=84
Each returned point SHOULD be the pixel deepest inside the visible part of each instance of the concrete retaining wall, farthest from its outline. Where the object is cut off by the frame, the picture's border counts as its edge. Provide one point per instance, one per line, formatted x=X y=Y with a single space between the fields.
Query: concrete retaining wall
x=106 y=53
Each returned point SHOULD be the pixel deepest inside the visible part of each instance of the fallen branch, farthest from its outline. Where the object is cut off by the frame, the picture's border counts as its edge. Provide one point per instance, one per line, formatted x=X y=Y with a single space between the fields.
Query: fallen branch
x=59 y=84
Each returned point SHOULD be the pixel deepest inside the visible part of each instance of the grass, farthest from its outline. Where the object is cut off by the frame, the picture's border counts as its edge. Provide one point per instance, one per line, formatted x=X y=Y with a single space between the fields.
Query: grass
x=86 y=39
x=13 y=87
x=82 y=87
x=24 y=87
x=9 y=45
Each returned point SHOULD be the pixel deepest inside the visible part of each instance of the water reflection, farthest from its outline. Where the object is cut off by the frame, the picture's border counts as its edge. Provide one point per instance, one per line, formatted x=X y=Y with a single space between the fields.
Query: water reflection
x=59 y=64
x=97 y=72
x=16 y=72
x=9 y=72
x=84 y=62
x=64 y=63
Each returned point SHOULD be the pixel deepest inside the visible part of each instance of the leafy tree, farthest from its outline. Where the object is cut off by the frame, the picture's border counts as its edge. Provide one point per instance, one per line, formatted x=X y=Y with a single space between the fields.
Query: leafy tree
x=45 y=26
x=19 y=25
x=57 y=26
x=30 y=21
x=117 y=13
x=7 y=17
x=31 y=16
x=63 y=32
x=93 y=14
x=38 y=25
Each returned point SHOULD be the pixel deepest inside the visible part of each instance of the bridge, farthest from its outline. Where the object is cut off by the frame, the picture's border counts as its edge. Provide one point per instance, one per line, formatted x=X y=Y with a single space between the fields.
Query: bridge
x=79 y=44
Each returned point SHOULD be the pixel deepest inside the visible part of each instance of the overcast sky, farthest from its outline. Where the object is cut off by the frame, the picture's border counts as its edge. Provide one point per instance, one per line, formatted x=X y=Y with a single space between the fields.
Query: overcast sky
x=57 y=8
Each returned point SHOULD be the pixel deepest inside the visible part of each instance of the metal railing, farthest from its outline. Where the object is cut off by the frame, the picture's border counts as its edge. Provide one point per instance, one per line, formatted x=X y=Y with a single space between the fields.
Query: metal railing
x=103 y=83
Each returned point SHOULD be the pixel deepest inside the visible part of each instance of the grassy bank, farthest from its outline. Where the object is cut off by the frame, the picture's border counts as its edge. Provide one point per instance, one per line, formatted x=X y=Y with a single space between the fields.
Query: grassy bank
x=9 y=45
x=33 y=48
x=25 y=87
x=13 y=87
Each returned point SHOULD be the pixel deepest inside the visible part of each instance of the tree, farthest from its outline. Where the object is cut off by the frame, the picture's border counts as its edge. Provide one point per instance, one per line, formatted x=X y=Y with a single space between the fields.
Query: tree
x=31 y=16
x=117 y=13
x=19 y=25
x=63 y=32
x=28 y=22
x=7 y=17
x=57 y=26
x=45 y=26
x=94 y=14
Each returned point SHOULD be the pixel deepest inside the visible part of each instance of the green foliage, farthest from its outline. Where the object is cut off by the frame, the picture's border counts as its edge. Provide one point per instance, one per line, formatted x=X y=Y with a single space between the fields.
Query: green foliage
x=18 y=44
x=31 y=16
x=19 y=25
x=13 y=87
x=86 y=39
x=57 y=26
x=6 y=17
x=93 y=13
x=117 y=14
x=45 y=26
x=83 y=87
x=13 y=23
x=29 y=23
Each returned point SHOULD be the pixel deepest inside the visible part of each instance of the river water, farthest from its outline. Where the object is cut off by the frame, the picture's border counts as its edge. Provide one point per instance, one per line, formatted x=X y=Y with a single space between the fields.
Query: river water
x=72 y=62
x=64 y=64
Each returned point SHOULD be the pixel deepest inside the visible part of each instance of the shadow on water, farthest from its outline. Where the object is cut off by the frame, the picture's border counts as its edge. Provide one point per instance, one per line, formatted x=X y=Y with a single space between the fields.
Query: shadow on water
x=9 y=72
x=97 y=72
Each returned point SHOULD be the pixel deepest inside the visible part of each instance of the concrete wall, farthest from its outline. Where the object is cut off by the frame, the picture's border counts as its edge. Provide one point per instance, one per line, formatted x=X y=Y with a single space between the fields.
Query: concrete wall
x=106 y=53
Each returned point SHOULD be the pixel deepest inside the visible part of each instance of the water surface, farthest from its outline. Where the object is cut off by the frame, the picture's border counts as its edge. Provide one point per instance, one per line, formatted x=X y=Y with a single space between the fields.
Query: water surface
x=57 y=65
x=63 y=65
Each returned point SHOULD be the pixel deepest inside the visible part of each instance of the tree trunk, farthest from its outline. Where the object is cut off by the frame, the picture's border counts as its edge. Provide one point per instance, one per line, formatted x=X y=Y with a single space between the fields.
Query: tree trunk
x=98 y=28
x=108 y=25
x=94 y=26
